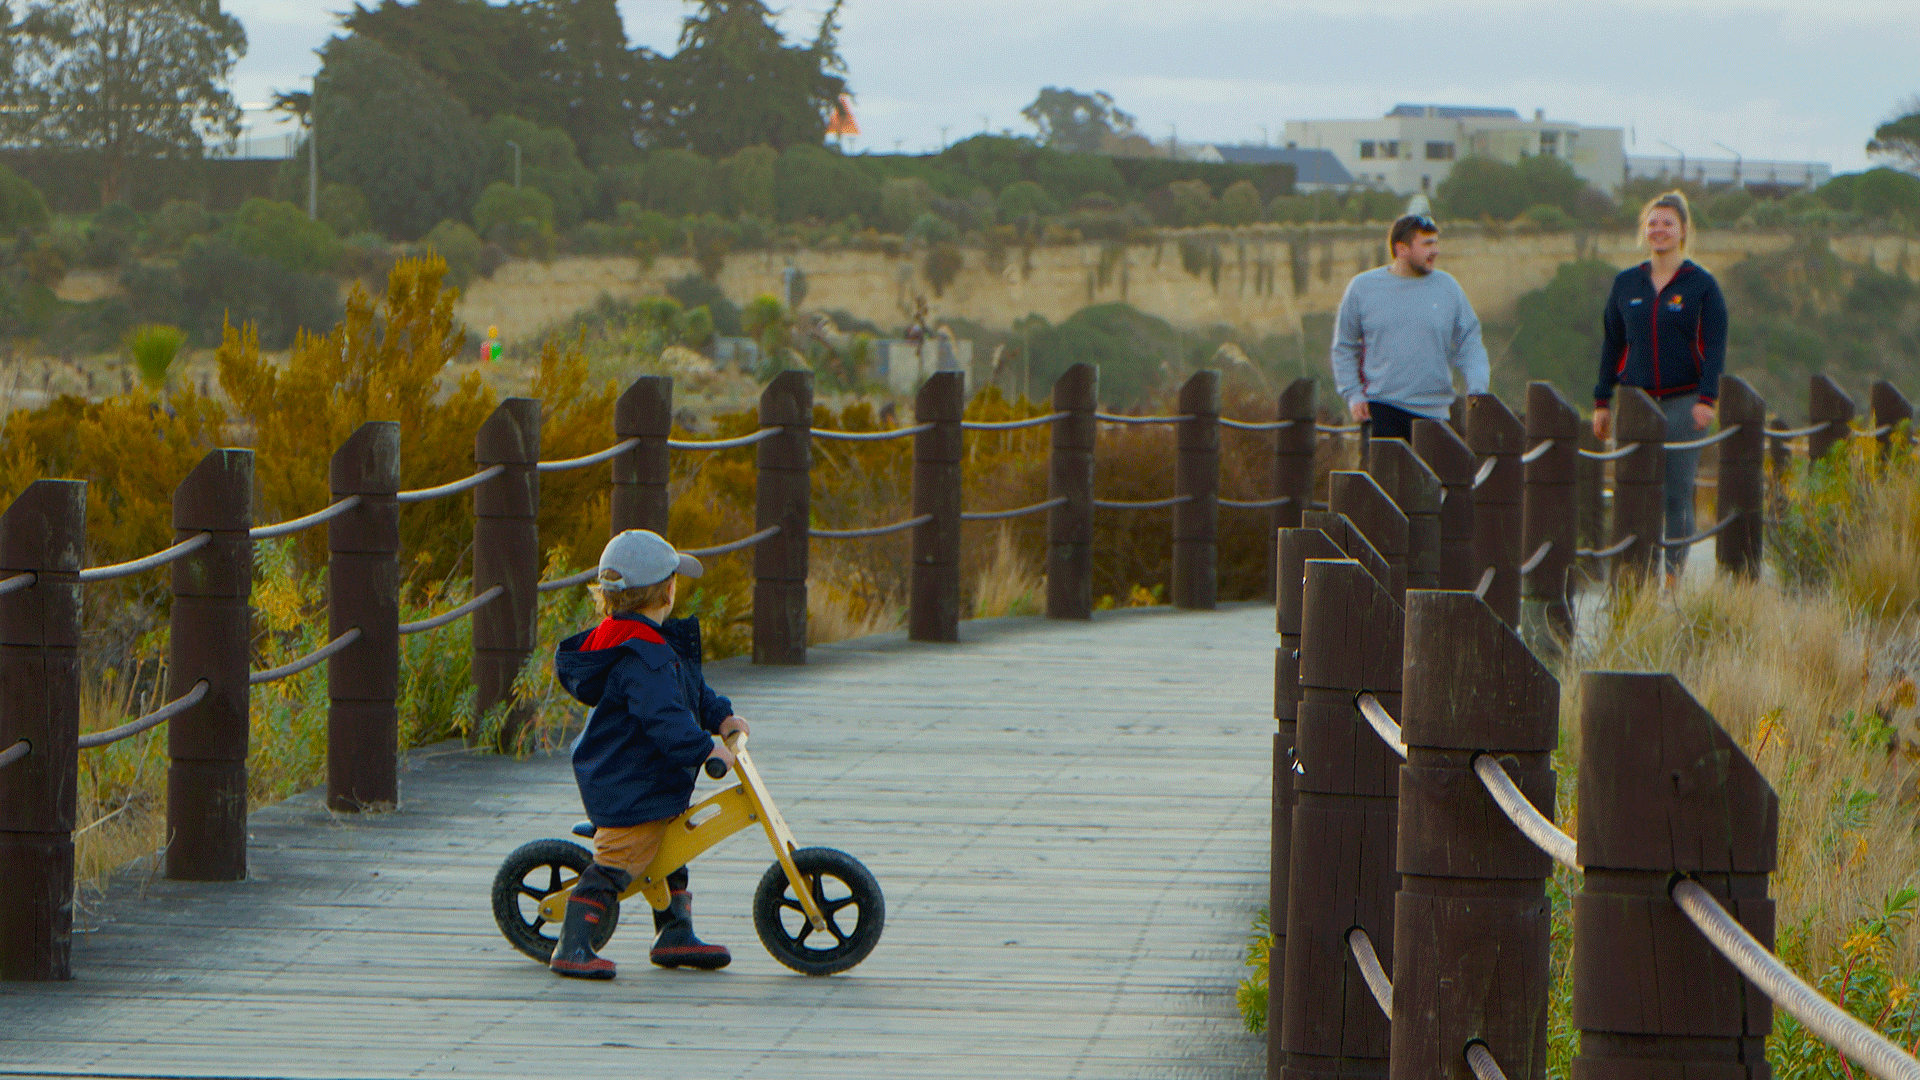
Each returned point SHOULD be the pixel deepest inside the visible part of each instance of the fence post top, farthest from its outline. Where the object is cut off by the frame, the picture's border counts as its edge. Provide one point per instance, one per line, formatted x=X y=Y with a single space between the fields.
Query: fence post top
x=1492 y=428
x=645 y=408
x=1826 y=401
x=218 y=493
x=1470 y=682
x=1412 y=485
x=1637 y=417
x=510 y=435
x=45 y=527
x=1370 y=510
x=1889 y=404
x=943 y=397
x=1340 y=529
x=1200 y=394
x=1548 y=414
x=1081 y=378
x=1441 y=447
x=1296 y=401
x=368 y=463
x=1740 y=403
x=1662 y=785
x=788 y=401
x=1368 y=628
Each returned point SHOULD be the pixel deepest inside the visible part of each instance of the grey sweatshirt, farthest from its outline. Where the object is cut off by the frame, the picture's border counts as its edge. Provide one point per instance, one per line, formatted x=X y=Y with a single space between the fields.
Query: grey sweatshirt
x=1397 y=336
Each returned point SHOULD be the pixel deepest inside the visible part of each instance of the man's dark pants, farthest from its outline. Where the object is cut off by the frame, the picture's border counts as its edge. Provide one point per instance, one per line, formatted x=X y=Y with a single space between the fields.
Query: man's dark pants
x=1390 y=421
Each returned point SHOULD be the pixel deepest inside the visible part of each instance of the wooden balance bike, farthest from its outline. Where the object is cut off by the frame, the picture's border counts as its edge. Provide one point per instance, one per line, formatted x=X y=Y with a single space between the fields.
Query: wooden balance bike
x=817 y=910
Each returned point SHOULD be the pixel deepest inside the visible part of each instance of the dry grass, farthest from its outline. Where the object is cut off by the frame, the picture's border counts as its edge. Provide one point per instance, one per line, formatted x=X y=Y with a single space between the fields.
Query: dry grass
x=1009 y=583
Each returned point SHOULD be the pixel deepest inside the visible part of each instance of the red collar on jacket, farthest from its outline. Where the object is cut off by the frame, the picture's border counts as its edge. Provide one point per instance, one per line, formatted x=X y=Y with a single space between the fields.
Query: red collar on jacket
x=615 y=631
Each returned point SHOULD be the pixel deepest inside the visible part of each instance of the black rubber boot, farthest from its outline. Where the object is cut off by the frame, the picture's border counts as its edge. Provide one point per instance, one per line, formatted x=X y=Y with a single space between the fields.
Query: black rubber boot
x=676 y=946
x=598 y=887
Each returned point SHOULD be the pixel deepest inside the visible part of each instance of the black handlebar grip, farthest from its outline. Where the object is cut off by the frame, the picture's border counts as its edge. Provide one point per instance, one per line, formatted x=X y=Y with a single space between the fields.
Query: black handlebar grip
x=716 y=767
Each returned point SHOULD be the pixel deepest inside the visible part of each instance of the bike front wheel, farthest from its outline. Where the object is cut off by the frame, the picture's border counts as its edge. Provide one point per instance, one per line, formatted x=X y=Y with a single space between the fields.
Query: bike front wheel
x=847 y=895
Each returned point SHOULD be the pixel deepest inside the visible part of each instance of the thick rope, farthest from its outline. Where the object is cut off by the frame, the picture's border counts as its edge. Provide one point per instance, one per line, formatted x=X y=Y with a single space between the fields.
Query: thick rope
x=1012 y=425
x=862 y=534
x=288 y=528
x=1002 y=515
x=159 y=558
x=305 y=662
x=871 y=436
x=153 y=719
x=591 y=459
x=726 y=444
x=1382 y=722
x=467 y=608
x=455 y=488
x=1530 y=821
x=1370 y=969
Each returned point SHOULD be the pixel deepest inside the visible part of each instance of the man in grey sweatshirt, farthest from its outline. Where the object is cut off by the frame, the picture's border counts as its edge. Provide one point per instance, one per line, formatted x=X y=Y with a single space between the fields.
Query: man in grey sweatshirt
x=1402 y=329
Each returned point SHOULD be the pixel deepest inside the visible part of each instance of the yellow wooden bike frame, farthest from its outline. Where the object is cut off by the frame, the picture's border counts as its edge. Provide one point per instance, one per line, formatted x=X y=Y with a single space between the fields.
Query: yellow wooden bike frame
x=703 y=825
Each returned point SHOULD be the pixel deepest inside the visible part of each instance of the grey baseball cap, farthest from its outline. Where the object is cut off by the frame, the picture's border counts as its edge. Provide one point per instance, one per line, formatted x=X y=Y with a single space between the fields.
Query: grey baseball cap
x=637 y=558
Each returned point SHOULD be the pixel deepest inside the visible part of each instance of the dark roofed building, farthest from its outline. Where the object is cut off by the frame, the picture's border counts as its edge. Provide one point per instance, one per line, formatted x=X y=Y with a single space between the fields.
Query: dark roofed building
x=1313 y=170
x=1453 y=112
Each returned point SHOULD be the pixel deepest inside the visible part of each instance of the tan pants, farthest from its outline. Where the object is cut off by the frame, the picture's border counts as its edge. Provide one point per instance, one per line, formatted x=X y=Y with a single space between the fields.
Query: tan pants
x=629 y=847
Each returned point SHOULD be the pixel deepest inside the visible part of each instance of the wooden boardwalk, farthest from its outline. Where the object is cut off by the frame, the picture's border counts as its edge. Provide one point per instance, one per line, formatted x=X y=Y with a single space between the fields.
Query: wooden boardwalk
x=1070 y=823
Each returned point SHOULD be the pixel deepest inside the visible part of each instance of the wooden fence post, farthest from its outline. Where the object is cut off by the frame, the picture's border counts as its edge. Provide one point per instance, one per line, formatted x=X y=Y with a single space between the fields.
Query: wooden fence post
x=1296 y=547
x=1346 y=792
x=1891 y=408
x=934 y=591
x=1471 y=923
x=1415 y=489
x=783 y=497
x=1826 y=401
x=1453 y=463
x=506 y=551
x=43 y=533
x=210 y=636
x=1495 y=434
x=1548 y=508
x=1664 y=792
x=1070 y=476
x=1742 y=482
x=363 y=590
x=1196 y=522
x=1590 y=481
x=1292 y=463
x=1639 y=480
x=644 y=412
x=1356 y=496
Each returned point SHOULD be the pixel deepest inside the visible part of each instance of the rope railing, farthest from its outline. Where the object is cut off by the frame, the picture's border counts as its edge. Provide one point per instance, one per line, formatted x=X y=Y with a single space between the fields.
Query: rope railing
x=591 y=459
x=1830 y=1022
x=15 y=752
x=762 y=435
x=467 y=608
x=1539 y=556
x=1370 y=969
x=1486 y=582
x=18 y=582
x=288 y=528
x=1255 y=504
x=1486 y=472
x=1336 y=429
x=153 y=719
x=456 y=487
x=569 y=582
x=1153 y=504
x=1720 y=436
x=159 y=558
x=1121 y=418
x=736 y=545
x=1608 y=455
x=1012 y=425
x=1606 y=552
x=1248 y=425
x=1539 y=451
x=313 y=658
x=1480 y=1060
x=1002 y=515
x=871 y=436
x=862 y=534
x=1382 y=722
x=1872 y=433
x=1704 y=534
x=1799 y=433
x=1530 y=821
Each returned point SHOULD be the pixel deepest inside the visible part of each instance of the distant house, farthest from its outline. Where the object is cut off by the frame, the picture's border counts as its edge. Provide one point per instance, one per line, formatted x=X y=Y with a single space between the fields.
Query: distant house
x=1313 y=170
x=1412 y=148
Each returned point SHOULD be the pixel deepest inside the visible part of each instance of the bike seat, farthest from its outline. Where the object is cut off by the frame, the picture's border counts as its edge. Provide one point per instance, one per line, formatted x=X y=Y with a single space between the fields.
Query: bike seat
x=583 y=828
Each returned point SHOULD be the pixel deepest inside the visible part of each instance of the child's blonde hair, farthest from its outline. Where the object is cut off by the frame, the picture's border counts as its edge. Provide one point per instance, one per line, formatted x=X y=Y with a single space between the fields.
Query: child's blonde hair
x=610 y=602
x=1676 y=201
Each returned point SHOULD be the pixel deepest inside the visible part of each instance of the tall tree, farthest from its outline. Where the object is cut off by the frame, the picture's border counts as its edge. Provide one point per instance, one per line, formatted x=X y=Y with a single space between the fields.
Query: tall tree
x=736 y=83
x=125 y=79
x=1898 y=140
x=1072 y=121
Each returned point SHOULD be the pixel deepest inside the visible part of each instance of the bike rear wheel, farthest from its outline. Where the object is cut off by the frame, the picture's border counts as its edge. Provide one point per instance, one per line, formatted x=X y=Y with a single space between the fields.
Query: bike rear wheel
x=535 y=871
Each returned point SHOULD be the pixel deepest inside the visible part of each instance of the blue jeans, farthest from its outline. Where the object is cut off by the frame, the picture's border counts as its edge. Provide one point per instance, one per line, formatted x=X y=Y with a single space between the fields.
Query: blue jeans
x=1682 y=465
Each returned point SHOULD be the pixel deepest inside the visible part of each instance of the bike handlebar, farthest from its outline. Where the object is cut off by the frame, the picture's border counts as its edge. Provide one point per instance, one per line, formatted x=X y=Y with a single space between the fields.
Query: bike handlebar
x=717 y=767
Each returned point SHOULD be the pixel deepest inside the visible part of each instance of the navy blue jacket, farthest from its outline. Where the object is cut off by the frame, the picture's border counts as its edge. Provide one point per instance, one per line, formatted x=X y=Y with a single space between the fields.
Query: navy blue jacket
x=653 y=715
x=1670 y=344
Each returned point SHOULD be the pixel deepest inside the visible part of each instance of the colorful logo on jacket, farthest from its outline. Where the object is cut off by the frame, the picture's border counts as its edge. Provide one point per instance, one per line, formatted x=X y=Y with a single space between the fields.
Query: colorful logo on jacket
x=1673 y=303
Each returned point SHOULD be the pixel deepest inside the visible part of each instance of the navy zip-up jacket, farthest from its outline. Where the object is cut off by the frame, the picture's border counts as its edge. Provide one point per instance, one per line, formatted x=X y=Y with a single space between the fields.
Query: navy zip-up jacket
x=1669 y=344
x=653 y=715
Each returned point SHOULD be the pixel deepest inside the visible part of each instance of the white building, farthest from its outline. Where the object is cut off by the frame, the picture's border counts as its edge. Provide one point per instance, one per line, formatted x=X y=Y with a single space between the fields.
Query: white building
x=1412 y=149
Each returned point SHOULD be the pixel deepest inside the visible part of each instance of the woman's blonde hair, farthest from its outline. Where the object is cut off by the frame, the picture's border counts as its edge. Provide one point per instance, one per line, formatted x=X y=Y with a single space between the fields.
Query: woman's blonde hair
x=1676 y=201
x=611 y=602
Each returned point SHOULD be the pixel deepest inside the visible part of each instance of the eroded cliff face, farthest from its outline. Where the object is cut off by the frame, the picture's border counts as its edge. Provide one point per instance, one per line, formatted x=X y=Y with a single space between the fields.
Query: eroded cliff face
x=1258 y=281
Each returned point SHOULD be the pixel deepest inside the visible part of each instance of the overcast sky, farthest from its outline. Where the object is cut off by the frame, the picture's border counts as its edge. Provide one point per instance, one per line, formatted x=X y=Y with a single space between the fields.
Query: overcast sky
x=1782 y=79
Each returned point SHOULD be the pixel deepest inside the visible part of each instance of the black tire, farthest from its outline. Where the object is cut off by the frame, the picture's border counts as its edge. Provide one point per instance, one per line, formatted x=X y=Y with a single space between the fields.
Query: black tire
x=840 y=885
x=532 y=873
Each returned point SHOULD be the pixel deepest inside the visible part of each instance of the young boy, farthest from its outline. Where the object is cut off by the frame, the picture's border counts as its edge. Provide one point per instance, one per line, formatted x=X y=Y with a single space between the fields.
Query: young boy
x=653 y=724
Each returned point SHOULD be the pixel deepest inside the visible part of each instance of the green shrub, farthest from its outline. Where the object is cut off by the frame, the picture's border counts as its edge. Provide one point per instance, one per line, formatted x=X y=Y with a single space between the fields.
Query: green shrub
x=518 y=219
x=547 y=163
x=282 y=233
x=1193 y=203
x=750 y=182
x=152 y=348
x=177 y=222
x=344 y=210
x=1025 y=200
x=817 y=184
x=1240 y=204
x=1480 y=187
x=694 y=291
x=903 y=201
x=1875 y=195
x=932 y=229
x=21 y=204
x=1545 y=218
x=109 y=236
x=681 y=182
x=217 y=282
x=461 y=247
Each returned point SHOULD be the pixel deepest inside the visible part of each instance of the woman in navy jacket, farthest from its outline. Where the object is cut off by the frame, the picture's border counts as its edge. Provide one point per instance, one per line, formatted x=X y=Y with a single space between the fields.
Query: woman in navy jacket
x=1666 y=333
